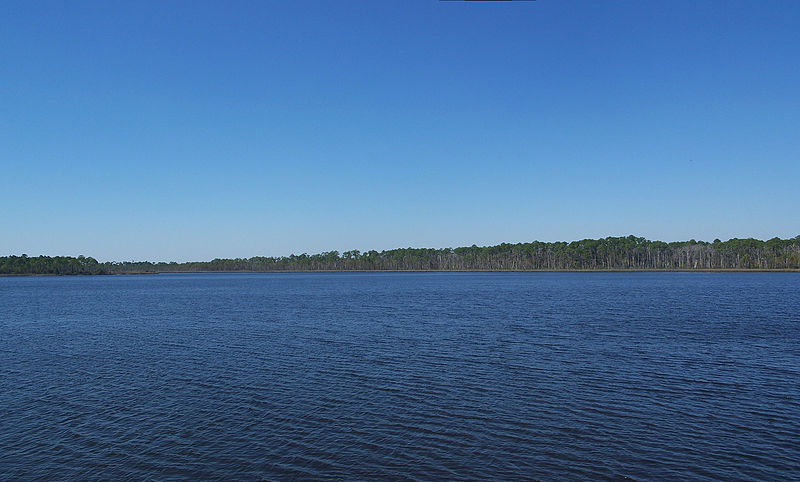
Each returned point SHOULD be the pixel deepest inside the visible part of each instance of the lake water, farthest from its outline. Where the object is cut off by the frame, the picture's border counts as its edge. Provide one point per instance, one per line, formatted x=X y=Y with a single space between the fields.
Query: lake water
x=401 y=375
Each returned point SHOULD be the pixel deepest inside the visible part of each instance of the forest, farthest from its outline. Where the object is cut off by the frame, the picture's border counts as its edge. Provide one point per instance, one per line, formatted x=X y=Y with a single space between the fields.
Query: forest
x=611 y=253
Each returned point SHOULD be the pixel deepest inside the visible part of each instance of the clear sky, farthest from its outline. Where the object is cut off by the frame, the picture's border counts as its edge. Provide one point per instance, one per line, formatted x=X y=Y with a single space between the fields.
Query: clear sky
x=193 y=130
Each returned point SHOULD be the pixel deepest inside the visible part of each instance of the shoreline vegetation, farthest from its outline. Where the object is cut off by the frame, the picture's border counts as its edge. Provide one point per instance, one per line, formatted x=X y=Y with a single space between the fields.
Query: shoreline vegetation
x=609 y=254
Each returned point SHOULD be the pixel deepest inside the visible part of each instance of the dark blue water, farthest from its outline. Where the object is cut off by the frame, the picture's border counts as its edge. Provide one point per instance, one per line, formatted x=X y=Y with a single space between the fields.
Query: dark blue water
x=420 y=376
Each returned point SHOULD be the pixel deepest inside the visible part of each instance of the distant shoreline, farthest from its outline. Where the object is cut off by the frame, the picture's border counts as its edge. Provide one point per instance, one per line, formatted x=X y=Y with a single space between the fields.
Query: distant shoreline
x=753 y=270
x=740 y=270
x=611 y=254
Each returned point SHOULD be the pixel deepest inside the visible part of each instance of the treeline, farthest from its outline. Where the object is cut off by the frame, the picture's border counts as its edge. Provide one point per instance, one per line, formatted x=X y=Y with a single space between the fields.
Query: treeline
x=61 y=265
x=612 y=253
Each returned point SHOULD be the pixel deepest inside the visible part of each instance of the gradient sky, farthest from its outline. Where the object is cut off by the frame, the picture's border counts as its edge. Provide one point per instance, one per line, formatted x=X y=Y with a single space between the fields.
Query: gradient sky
x=193 y=130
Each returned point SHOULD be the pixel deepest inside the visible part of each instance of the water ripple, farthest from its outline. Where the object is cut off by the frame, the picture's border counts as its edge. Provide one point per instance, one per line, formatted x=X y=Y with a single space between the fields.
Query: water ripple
x=401 y=376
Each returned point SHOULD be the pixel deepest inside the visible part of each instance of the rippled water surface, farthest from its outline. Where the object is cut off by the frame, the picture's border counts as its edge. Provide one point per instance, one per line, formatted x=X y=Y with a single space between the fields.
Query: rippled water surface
x=422 y=376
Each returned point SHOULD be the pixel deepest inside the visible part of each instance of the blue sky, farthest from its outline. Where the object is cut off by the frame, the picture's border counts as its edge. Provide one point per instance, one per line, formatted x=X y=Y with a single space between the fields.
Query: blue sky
x=193 y=130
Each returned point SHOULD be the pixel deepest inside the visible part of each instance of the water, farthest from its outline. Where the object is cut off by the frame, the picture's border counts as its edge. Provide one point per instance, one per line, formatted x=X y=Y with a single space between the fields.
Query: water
x=420 y=376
